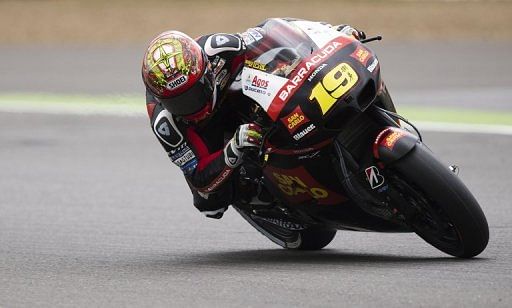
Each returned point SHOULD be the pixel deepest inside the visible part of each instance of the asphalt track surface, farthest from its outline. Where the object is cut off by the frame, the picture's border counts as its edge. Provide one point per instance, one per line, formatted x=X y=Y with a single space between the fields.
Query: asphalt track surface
x=93 y=214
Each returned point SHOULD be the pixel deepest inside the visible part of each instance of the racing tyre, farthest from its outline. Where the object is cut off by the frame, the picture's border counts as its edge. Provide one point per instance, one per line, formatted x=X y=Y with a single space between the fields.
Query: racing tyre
x=288 y=234
x=437 y=205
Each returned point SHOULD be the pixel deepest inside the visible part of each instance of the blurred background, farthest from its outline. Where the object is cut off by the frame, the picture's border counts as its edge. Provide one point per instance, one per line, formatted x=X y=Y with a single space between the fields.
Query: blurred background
x=131 y=22
x=430 y=49
x=93 y=213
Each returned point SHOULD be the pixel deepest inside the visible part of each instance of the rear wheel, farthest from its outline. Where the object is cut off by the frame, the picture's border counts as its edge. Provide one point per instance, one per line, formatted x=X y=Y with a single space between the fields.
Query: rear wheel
x=288 y=234
x=437 y=205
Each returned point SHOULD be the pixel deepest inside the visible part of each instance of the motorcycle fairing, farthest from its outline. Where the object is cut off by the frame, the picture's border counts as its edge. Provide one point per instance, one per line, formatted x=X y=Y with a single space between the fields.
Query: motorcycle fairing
x=304 y=179
x=392 y=143
x=297 y=62
x=262 y=87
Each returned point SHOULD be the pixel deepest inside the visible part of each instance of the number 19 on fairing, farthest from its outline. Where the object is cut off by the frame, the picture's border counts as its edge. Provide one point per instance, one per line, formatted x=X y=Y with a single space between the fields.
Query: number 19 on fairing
x=335 y=83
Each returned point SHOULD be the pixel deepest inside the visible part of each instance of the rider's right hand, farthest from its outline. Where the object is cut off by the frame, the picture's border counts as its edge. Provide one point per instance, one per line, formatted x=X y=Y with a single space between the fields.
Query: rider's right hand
x=246 y=137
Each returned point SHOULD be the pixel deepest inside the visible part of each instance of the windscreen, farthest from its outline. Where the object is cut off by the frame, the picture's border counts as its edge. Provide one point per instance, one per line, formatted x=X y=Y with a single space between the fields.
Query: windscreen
x=282 y=47
x=280 y=54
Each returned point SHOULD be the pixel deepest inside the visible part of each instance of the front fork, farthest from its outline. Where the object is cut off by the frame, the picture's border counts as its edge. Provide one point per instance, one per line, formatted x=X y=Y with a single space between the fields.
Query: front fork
x=364 y=178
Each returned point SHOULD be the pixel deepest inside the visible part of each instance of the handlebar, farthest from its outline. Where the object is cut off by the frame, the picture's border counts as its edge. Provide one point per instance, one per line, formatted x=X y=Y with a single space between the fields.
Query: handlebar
x=371 y=39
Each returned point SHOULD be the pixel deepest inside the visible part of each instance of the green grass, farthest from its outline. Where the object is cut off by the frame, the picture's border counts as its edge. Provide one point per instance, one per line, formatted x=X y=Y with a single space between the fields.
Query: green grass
x=70 y=103
x=136 y=104
x=455 y=115
x=43 y=99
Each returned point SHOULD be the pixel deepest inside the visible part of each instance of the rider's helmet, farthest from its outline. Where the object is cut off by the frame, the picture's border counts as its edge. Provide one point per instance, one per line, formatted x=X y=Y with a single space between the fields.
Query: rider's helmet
x=177 y=72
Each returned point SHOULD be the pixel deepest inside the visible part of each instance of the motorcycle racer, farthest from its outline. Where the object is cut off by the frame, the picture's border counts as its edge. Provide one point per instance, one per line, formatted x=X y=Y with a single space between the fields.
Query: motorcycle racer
x=187 y=84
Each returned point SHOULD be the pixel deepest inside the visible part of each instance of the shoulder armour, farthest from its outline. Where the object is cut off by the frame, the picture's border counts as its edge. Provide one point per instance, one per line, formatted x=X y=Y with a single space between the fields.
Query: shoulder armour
x=166 y=130
x=222 y=42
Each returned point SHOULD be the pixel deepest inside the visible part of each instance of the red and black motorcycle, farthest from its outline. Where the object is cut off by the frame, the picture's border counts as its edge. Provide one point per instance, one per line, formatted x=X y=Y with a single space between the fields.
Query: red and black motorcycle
x=336 y=155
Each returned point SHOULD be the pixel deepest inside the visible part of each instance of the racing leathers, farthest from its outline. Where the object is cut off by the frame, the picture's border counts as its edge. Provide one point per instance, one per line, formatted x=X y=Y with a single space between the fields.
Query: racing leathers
x=199 y=149
x=202 y=150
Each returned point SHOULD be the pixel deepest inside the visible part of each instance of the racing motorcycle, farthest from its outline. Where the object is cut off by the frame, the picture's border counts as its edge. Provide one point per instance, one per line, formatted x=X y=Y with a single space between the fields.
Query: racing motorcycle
x=335 y=154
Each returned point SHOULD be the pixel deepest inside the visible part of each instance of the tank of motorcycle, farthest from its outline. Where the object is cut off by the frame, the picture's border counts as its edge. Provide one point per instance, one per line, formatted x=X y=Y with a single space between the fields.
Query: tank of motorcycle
x=309 y=78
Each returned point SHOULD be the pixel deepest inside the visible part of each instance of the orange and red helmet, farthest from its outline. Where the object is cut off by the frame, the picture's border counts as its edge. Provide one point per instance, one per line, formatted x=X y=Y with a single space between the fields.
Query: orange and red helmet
x=177 y=72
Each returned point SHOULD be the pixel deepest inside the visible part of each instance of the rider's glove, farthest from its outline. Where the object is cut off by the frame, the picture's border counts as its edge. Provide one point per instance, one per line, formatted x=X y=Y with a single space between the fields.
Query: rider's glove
x=350 y=31
x=247 y=136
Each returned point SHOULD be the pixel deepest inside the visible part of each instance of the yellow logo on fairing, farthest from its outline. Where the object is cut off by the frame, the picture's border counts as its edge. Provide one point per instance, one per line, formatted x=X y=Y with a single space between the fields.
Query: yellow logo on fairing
x=293 y=185
x=334 y=85
x=256 y=65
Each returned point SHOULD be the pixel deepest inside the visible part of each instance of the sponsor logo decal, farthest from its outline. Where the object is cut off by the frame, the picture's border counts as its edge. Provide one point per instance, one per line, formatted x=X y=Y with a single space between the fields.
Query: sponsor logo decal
x=256 y=65
x=184 y=158
x=303 y=133
x=163 y=129
x=221 y=40
x=189 y=167
x=177 y=82
x=361 y=55
x=301 y=72
x=221 y=75
x=247 y=38
x=372 y=66
x=224 y=81
x=293 y=185
x=301 y=150
x=256 y=84
x=255 y=32
x=218 y=64
x=309 y=156
x=315 y=72
x=252 y=35
x=222 y=78
x=374 y=177
x=297 y=79
x=391 y=139
x=294 y=120
x=259 y=82
x=298 y=186
x=218 y=181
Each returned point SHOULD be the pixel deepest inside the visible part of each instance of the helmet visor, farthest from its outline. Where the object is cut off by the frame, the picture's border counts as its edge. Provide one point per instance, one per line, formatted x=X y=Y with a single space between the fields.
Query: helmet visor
x=193 y=99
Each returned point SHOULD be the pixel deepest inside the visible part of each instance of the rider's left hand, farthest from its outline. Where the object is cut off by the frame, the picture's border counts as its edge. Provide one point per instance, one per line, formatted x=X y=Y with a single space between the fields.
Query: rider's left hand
x=246 y=138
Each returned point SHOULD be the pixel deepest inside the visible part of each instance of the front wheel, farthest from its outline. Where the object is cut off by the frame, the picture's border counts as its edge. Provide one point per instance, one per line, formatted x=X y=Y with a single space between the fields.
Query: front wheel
x=437 y=205
x=288 y=234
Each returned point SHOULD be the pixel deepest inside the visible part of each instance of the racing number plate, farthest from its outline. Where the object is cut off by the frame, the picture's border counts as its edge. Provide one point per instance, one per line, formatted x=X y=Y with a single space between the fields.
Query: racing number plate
x=334 y=85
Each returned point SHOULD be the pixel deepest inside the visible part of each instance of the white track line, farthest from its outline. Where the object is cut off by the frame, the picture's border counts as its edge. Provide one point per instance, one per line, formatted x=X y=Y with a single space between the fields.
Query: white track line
x=78 y=109
x=120 y=111
x=464 y=128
